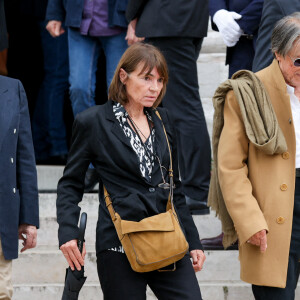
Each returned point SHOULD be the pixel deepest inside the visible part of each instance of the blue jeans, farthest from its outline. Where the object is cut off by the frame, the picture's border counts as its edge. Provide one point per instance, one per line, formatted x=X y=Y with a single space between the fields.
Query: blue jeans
x=48 y=127
x=83 y=58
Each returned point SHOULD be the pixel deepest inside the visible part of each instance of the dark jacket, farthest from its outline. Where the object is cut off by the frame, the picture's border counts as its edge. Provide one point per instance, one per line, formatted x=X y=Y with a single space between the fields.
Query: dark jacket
x=241 y=55
x=18 y=182
x=273 y=11
x=169 y=18
x=34 y=8
x=70 y=12
x=98 y=138
x=249 y=9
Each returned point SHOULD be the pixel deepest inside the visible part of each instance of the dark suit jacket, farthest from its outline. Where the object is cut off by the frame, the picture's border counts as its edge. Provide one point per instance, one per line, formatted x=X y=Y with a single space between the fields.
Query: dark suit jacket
x=169 y=18
x=34 y=8
x=273 y=11
x=98 y=138
x=249 y=9
x=251 y=13
x=18 y=180
x=70 y=12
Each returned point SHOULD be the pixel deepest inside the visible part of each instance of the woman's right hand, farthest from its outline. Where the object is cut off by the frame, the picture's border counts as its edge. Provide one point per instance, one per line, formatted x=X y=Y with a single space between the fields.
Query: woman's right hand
x=198 y=258
x=73 y=255
x=131 y=38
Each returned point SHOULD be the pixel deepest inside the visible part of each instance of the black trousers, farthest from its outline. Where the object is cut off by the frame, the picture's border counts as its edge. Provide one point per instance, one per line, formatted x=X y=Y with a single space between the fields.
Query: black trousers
x=119 y=281
x=183 y=102
x=288 y=293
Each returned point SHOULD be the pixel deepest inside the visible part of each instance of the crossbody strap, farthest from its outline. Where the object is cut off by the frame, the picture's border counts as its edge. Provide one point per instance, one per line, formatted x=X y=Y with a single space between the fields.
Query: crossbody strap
x=170 y=199
x=109 y=204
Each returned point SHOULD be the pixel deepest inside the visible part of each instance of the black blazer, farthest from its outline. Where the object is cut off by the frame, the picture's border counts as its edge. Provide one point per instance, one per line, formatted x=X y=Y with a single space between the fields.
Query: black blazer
x=18 y=180
x=169 y=18
x=98 y=138
x=273 y=11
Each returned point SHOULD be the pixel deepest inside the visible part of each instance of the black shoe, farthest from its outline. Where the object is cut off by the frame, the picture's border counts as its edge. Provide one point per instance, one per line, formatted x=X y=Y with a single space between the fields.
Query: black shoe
x=216 y=243
x=197 y=207
x=91 y=179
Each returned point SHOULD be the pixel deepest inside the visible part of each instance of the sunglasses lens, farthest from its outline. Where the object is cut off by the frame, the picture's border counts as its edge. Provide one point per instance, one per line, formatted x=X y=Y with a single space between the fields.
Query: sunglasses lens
x=297 y=62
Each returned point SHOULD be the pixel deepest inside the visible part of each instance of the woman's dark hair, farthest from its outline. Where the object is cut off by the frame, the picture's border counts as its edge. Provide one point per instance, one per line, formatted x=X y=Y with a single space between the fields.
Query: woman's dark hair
x=138 y=53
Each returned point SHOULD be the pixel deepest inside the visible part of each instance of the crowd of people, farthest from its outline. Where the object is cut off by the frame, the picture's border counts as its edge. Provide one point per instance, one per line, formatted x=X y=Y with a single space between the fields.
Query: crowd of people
x=138 y=58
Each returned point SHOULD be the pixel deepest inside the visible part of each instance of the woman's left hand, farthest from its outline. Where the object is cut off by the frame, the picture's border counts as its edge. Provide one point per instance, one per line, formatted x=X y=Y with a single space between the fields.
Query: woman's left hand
x=198 y=257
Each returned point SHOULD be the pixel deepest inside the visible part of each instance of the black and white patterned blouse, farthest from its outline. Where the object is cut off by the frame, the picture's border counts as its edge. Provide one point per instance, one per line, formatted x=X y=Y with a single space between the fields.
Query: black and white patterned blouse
x=146 y=163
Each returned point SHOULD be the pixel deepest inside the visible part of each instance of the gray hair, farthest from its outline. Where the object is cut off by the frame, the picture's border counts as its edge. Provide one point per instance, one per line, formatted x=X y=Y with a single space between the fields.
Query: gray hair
x=285 y=33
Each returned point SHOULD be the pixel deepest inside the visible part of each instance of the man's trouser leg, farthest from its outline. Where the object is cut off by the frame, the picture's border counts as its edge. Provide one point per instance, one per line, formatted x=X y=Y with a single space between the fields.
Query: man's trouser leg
x=6 y=289
x=182 y=100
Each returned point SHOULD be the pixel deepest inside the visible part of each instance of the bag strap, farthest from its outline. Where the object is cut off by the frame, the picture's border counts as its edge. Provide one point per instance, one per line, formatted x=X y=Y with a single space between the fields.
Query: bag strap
x=170 y=200
x=170 y=203
x=109 y=204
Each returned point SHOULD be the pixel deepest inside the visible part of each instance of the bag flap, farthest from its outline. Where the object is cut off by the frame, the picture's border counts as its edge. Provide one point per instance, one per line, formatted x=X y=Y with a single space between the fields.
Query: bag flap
x=160 y=222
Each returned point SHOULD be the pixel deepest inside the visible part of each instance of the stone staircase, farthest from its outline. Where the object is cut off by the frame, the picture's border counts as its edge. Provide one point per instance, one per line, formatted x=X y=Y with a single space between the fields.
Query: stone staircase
x=38 y=274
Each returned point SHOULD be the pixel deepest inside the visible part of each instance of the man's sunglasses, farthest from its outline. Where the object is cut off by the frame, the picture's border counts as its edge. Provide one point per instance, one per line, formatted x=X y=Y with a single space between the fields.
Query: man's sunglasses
x=295 y=61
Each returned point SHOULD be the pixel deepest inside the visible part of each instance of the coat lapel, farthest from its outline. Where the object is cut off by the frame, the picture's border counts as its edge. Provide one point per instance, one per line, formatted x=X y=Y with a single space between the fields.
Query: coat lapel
x=116 y=128
x=160 y=144
x=117 y=131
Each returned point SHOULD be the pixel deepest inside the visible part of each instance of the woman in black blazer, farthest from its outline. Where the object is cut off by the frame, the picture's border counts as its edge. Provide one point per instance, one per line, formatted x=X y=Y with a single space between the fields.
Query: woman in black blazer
x=124 y=140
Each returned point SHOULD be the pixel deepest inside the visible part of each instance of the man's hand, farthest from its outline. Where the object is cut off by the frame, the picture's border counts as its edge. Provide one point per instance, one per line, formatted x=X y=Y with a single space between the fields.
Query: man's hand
x=198 y=258
x=259 y=239
x=28 y=234
x=131 y=38
x=55 y=28
x=228 y=27
x=73 y=255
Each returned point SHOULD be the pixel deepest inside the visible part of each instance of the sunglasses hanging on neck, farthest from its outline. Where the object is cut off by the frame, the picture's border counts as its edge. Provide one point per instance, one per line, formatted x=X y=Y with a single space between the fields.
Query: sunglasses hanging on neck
x=164 y=185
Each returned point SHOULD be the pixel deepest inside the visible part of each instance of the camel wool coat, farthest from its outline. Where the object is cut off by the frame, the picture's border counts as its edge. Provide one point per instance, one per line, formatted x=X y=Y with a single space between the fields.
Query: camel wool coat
x=258 y=189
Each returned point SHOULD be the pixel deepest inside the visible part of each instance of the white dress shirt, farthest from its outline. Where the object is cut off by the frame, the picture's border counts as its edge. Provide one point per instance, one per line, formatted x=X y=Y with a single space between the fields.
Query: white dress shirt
x=295 y=106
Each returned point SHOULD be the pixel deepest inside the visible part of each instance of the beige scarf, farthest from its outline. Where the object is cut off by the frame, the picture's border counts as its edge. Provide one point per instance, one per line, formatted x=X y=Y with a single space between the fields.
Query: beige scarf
x=261 y=127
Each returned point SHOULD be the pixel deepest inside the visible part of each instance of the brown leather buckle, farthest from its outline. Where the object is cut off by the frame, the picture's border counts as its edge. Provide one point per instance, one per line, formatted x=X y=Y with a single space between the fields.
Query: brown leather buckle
x=168 y=270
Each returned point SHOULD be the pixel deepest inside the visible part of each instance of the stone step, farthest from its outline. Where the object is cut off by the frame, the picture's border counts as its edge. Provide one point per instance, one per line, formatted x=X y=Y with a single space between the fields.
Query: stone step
x=208 y=108
x=48 y=177
x=208 y=225
x=46 y=265
x=92 y=291
x=213 y=43
x=47 y=204
x=211 y=73
x=39 y=274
